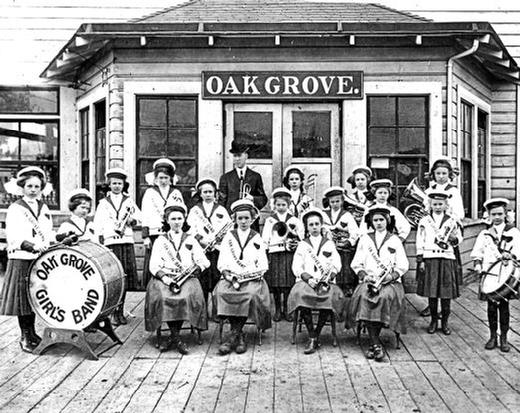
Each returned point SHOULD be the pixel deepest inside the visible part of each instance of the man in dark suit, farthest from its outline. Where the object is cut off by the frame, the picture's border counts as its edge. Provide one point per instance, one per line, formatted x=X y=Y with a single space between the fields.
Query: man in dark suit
x=232 y=182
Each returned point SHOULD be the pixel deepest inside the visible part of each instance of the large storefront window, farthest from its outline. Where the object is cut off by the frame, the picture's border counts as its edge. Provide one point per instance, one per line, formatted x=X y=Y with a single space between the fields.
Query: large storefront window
x=167 y=127
x=29 y=101
x=25 y=143
x=398 y=139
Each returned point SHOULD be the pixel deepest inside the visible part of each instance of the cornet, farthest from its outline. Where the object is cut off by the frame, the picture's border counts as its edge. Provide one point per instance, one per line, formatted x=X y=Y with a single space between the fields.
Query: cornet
x=245 y=190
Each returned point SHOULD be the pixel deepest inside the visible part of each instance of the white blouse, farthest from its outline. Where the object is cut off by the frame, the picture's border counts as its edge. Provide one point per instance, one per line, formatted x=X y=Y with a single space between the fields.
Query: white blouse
x=325 y=252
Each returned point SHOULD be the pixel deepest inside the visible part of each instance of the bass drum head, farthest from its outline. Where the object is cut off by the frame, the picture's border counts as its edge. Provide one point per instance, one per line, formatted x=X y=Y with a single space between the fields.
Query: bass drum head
x=66 y=288
x=497 y=275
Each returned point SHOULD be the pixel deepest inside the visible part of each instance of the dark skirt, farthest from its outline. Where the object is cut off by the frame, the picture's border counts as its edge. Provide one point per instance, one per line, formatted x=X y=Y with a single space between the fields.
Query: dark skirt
x=126 y=254
x=211 y=275
x=387 y=307
x=147 y=275
x=14 y=299
x=251 y=300
x=439 y=279
x=280 y=273
x=161 y=305
x=346 y=277
x=303 y=295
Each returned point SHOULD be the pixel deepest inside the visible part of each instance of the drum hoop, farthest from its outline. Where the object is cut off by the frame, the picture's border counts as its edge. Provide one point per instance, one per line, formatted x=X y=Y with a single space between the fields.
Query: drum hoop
x=512 y=264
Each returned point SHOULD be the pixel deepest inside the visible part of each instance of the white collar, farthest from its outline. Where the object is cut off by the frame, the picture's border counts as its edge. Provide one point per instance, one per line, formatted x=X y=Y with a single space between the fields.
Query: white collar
x=315 y=241
x=281 y=217
x=30 y=201
x=77 y=220
x=499 y=228
x=241 y=170
x=242 y=235
x=380 y=236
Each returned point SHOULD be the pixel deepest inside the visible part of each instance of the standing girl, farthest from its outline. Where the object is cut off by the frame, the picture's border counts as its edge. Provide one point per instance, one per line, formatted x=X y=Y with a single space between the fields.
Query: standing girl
x=154 y=200
x=382 y=189
x=438 y=275
x=115 y=217
x=29 y=233
x=209 y=222
x=79 y=223
x=175 y=255
x=343 y=230
x=293 y=180
x=360 y=180
x=281 y=233
x=380 y=263
x=315 y=266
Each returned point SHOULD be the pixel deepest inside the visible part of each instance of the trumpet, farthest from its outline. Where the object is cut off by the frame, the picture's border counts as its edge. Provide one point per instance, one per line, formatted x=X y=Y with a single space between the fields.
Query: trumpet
x=323 y=285
x=245 y=190
x=217 y=239
x=179 y=280
x=415 y=211
x=123 y=221
x=238 y=279
x=374 y=288
x=442 y=240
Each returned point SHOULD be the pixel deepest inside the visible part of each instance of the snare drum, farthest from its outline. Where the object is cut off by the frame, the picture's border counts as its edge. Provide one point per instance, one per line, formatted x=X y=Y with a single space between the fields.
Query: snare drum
x=72 y=287
x=501 y=281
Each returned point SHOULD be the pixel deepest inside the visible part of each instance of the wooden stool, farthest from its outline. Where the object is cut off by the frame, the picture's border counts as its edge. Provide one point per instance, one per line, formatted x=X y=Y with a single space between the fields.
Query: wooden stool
x=222 y=320
x=298 y=320
x=192 y=329
x=361 y=326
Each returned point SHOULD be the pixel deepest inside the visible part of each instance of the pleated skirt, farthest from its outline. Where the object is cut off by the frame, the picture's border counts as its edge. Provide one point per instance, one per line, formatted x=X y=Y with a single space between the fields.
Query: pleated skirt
x=14 y=299
x=252 y=300
x=147 y=275
x=280 y=273
x=346 y=277
x=161 y=305
x=126 y=255
x=303 y=295
x=387 y=307
x=439 y=279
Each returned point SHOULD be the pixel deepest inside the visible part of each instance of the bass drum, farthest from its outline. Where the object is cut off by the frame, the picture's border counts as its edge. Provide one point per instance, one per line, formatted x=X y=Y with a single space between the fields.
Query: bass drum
x=72 y=287
x=501 y=281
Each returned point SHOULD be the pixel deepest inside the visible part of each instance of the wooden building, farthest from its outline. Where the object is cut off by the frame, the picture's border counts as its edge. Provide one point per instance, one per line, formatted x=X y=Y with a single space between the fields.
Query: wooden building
x=324 y=85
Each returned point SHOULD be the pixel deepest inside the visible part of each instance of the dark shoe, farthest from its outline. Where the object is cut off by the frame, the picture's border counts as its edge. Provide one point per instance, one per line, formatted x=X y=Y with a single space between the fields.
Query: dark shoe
x=180 y=346
x=34 y=338
x=445 y=328
x=277 y=316
x=165 y=345
x=311 y=346
x=432 y=328
x=122 y=319
x=425 y=312
x=225 y=348
x=25 y=342
x=492 y=343
x=504 y=345
x=289 y=318
x=370 y=353
x=241 y=346
x=116 y=321
x=379 y=354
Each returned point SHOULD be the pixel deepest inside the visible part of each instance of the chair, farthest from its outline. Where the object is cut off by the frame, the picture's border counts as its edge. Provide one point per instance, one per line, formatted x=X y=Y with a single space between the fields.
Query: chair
x=221 y=322
x=361 y=326
x=298 y=320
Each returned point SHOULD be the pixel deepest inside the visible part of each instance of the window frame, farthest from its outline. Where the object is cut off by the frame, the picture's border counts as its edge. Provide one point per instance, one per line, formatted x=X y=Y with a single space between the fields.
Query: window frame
x=196 y=158
x=419 y=157
x=477 y=103
x=33 y=114
x=19 y=163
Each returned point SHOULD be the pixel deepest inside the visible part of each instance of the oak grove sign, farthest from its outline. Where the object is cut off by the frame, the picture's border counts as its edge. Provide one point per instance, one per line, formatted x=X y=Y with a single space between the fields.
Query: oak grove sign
x=282 y=85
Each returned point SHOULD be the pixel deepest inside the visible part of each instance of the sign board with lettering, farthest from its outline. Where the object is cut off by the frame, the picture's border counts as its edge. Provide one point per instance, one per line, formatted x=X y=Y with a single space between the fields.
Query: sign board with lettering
x=327 y=85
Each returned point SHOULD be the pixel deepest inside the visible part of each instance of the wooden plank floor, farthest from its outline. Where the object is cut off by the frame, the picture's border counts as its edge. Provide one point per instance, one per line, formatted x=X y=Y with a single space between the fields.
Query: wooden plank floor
x=430 y=373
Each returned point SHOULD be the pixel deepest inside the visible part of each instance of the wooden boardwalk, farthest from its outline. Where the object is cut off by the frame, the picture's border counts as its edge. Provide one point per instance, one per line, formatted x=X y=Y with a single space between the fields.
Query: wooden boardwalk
x=430 y=373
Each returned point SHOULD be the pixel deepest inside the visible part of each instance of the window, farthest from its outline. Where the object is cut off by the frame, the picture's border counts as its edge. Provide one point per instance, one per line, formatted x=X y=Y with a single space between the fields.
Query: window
x=482 y=120
x=167 y=127
x=466 y=127
x=84 y=141
x=255 y=131
x=100 y=150
x=29 y=143
x=398 y=139
x=29 y=101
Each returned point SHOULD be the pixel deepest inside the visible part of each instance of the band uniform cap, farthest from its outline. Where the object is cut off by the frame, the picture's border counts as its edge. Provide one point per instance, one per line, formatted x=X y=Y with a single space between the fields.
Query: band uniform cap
x=362 y=169
x=116 y=173
x=381 y=183
x=496 y=202
x=175 y=206
x=281 y=192
x=378 y=209
x=244 y=205
x=312 y=212
x=165 y=162
x=440 y=195
x=292 y=168
x=442 y=162
x=333 y=191
x=30 y=170
x=237 y=147
x=80 y=193
x=206 y=181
